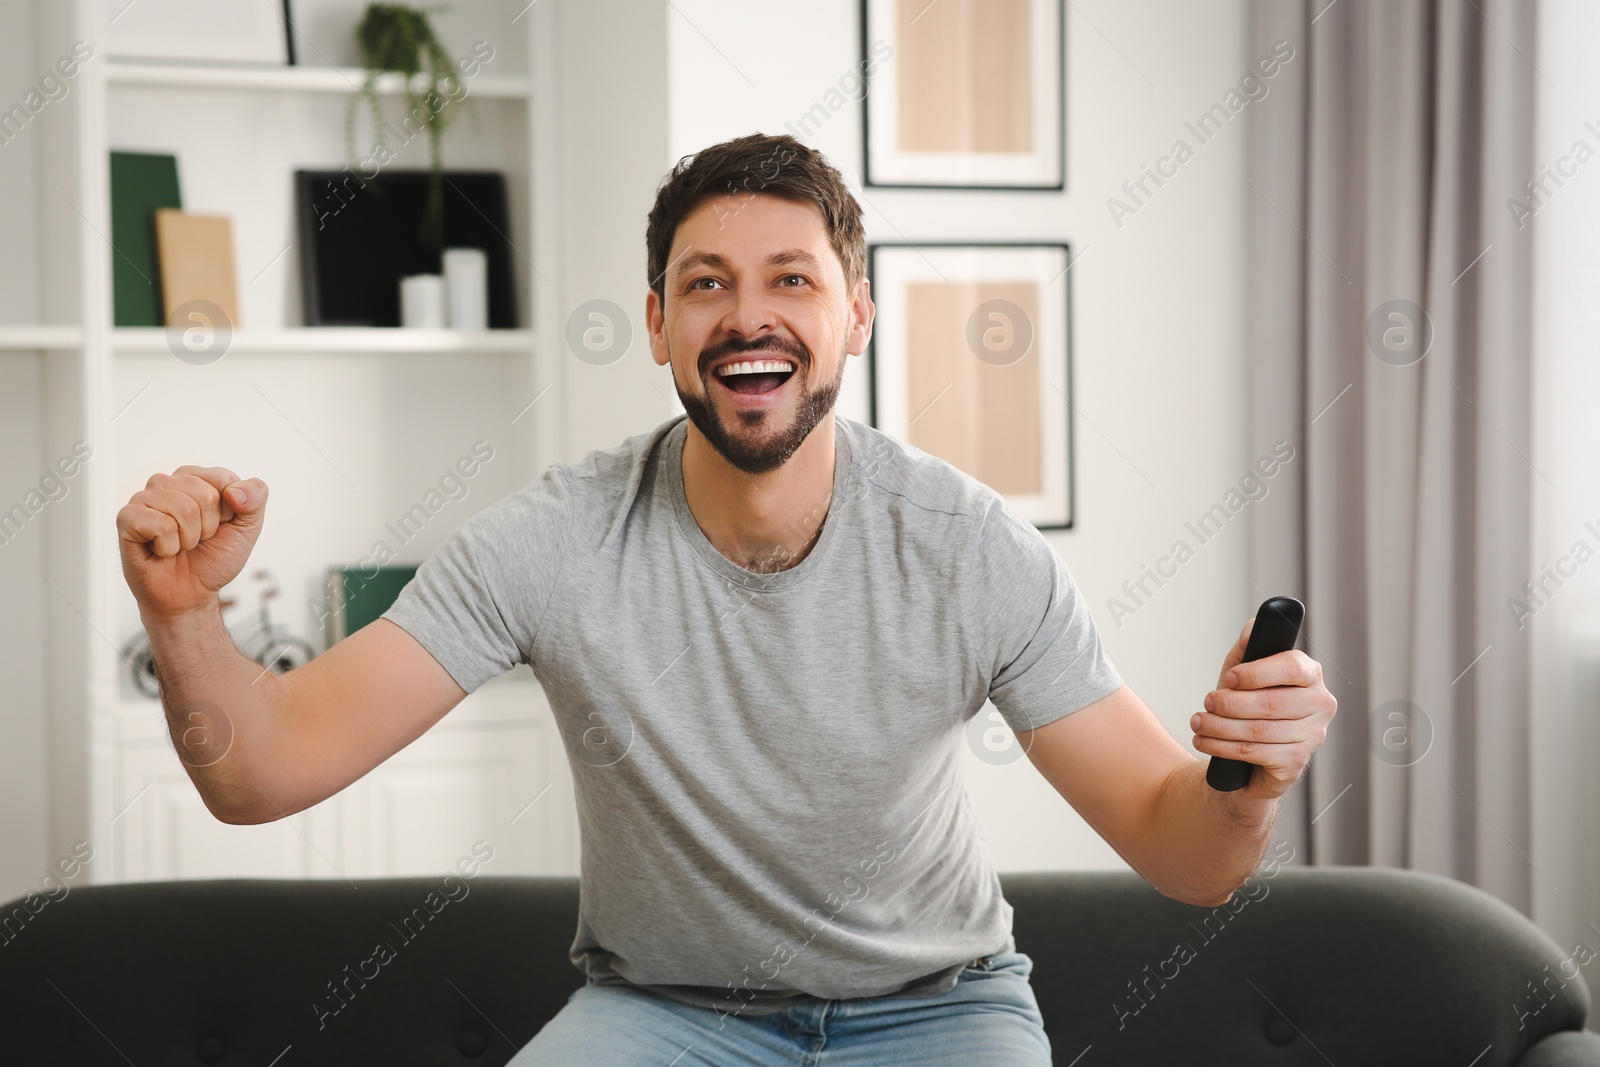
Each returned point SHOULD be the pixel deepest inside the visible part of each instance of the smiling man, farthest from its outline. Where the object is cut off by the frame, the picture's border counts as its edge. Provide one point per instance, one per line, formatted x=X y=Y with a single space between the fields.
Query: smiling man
x=763 y=630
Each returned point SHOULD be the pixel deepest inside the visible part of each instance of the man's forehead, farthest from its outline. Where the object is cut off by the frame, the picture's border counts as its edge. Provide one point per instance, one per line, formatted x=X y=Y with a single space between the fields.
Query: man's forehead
x=749 y=216
x=728 y=230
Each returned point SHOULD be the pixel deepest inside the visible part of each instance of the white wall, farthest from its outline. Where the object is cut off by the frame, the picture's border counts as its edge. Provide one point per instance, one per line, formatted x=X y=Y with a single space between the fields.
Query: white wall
x=20 y=70
x=1158 y=337
x=27 y=50
x=1566 y=630
x=613 y=67
x=24 y=784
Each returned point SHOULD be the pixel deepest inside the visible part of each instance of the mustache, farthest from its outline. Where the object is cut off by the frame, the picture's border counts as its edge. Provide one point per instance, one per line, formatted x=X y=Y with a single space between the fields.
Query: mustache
x=770 y=343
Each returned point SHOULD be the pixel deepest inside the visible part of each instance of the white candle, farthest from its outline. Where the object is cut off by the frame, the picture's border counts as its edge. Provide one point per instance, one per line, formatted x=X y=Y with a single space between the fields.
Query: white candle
x=466 y=280
x=422 y=301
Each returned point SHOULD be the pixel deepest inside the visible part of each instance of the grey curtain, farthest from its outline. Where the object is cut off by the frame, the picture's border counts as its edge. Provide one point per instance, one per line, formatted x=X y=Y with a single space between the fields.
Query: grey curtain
x=1391 y=343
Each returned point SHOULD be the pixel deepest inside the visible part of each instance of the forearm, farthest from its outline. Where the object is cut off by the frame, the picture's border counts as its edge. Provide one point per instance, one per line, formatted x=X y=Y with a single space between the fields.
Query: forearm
x=223 y=712
x=1202 y=844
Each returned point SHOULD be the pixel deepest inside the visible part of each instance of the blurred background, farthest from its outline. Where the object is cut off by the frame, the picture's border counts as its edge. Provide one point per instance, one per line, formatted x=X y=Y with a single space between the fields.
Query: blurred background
x=1313 y=313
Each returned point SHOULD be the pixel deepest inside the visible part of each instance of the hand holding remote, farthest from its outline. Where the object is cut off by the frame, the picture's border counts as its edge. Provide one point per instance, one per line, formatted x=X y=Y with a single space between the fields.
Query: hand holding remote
x=1276 y=629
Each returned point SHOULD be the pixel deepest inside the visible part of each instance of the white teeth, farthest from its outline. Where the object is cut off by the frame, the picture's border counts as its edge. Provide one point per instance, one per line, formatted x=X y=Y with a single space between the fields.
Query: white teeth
x=755 y=366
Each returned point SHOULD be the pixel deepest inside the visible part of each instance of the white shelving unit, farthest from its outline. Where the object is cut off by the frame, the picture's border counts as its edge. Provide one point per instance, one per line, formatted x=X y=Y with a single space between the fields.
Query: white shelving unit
x=349 y=427
x=373 y=340
x=342 y=80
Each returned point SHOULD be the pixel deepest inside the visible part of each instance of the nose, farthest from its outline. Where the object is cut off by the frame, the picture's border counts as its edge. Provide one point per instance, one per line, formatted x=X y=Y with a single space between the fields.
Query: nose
x=750 y=315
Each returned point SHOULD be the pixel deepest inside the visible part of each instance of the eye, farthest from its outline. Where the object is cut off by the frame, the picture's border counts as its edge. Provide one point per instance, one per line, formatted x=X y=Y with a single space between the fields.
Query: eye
x=796 y=277
x=696 y=283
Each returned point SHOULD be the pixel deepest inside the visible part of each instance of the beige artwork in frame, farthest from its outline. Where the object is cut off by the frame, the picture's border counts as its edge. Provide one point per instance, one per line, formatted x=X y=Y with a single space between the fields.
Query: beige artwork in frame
x=964 y=94
x=970 y=362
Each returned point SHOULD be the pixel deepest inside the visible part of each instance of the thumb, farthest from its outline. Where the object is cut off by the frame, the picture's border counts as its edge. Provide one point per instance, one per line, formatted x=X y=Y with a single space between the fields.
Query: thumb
x=248 y=499
x=1235 y=654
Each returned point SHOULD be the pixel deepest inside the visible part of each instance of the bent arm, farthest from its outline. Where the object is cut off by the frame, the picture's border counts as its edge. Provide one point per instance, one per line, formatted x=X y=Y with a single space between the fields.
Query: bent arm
x=1206 y=842
x=260 y=746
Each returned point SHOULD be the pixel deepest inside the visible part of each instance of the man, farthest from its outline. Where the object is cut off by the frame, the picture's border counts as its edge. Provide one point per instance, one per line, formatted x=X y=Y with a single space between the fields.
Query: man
x=763 y=630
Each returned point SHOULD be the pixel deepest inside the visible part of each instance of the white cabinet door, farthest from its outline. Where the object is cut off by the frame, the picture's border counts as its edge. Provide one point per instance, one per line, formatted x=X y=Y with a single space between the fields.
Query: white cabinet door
x=164 y=831
x=425 y=808
x=494 y=771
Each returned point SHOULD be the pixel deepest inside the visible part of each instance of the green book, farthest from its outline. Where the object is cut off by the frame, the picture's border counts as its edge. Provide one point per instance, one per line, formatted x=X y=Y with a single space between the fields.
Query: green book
x=358 y=595
x=140 y=183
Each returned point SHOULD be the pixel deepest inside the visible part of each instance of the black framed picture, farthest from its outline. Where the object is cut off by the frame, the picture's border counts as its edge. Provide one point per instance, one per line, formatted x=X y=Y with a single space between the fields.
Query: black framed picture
x=357 y=241
x=970 y=361
x=248 y=32
x=964 y=94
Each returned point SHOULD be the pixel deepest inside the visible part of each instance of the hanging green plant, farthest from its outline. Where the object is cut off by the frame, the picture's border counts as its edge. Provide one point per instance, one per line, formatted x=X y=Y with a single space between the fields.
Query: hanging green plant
x=400 y=39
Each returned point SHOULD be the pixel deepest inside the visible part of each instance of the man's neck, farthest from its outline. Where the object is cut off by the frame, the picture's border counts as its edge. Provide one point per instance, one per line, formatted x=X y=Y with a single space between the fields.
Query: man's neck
x=762 y=522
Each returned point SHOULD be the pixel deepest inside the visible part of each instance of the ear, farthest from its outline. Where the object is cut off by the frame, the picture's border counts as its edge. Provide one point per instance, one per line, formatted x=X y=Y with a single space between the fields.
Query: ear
x=862 y=310
x=656 y=323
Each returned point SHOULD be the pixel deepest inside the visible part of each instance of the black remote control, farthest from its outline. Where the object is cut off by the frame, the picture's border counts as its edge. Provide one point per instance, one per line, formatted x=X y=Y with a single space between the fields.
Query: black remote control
x=1276 y=629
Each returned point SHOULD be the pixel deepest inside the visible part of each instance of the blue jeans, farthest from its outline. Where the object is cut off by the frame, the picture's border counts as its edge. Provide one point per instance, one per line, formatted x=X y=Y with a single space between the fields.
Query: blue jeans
x=989 y=1018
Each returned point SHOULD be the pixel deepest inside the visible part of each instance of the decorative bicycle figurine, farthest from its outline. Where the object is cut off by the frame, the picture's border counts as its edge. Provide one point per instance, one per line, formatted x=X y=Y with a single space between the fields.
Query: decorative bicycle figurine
x=269 y=644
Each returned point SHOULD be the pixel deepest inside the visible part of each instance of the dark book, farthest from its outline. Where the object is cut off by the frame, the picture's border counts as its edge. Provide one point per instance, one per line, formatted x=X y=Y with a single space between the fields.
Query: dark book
x=141 y=182
x=358 y=595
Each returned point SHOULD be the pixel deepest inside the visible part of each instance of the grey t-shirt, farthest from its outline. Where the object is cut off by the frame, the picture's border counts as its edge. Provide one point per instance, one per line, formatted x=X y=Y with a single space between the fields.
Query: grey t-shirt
x=768 y=765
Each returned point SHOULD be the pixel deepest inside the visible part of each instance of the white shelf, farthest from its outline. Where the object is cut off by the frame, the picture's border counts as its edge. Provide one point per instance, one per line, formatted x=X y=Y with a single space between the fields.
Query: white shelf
x=376 y=340
x=291 y=79
x=35 y=338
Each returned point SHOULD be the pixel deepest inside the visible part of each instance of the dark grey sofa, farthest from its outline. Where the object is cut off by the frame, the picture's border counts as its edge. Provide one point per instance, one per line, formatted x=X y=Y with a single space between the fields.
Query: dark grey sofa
x=1350 y=966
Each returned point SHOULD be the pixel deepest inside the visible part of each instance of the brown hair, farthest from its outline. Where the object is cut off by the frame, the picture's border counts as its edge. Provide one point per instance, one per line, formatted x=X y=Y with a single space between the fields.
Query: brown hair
x=757 y=163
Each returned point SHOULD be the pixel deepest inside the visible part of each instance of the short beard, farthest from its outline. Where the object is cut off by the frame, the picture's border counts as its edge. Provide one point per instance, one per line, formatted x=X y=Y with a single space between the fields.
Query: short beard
x=769 y=455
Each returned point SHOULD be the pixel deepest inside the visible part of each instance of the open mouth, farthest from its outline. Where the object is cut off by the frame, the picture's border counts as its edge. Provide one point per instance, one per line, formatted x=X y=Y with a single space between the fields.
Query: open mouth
x=754 y=376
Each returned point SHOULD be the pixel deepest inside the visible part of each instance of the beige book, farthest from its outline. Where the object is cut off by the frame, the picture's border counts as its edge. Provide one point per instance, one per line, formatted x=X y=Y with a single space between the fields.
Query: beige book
x=195 y=256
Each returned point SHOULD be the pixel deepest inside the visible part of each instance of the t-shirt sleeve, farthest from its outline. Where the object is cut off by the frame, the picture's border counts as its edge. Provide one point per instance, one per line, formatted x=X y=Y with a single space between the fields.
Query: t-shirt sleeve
x=1036 y=641
x=476 y=602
